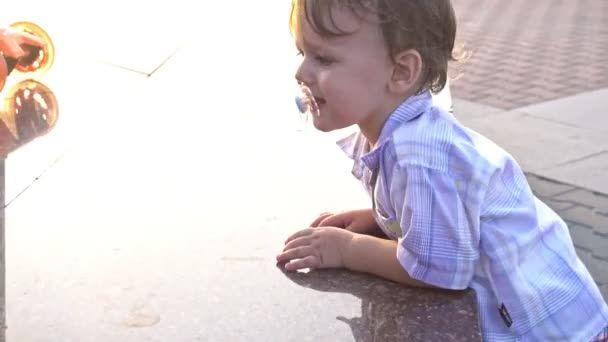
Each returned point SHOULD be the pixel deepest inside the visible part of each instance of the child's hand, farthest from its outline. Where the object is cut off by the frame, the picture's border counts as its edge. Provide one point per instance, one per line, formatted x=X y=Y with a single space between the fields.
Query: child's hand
x=322 y=247
x=358 y=221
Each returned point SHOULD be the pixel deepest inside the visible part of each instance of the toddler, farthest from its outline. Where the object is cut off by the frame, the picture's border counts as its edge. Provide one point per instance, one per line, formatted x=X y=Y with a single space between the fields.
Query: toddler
x=456 y=208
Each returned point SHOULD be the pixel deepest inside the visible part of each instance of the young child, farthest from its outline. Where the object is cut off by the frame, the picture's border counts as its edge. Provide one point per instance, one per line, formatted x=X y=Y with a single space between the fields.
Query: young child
x=457 y=208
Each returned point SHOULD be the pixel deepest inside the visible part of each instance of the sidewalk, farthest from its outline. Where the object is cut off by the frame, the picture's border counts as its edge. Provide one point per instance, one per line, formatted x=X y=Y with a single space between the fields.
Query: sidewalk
x=539 y=89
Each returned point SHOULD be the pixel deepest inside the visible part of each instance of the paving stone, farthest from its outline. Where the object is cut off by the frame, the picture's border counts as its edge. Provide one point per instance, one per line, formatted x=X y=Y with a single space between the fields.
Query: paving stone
x=602 y=229
x=600 y=271
x=598 y=202
x=604 y=291
x=537 y=144
x=466 y=110
x=569 y=44
x=544 y=187
x=600 y=247
x=585 y=216
x=558 y=206
x=597 y=267
x=587 y=170
x=583 y=237
x=579 y=110
x=499 y=101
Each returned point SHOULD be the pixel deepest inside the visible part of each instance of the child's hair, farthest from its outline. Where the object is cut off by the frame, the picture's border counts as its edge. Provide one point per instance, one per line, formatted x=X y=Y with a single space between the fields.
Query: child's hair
x=428 y=26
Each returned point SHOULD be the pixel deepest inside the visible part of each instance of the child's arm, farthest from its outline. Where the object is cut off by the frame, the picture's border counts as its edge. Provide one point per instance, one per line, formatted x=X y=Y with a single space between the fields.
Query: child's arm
x=440 y=244
x=332 y=247
x=377 y=256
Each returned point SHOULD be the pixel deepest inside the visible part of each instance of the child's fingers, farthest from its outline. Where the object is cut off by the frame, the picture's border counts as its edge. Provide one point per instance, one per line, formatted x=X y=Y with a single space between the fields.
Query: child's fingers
x=318 y=220
x=341 y=220
x=298 y=242
x=307 y=262
x=298 y=234
x=295 y=253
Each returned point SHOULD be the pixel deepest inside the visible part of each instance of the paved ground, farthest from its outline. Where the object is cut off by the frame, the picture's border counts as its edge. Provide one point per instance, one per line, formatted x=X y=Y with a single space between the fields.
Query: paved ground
x=522 y=54
x=586 y=212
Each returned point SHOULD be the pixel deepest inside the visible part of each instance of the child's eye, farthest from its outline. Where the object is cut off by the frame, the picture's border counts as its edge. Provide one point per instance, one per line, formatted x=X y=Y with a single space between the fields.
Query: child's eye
x=320 y=59
x=323 y=60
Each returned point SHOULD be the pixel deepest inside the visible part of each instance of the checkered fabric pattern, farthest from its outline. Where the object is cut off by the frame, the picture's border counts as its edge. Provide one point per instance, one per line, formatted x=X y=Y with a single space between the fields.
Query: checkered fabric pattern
x=601 y=337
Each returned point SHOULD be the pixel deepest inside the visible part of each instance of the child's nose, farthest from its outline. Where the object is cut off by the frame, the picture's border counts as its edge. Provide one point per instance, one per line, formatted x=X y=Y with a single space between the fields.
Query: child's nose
x=303 y=74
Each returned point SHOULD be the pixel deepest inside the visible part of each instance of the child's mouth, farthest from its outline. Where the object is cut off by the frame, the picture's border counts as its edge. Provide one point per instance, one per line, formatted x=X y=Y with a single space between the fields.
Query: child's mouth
x=320 y=101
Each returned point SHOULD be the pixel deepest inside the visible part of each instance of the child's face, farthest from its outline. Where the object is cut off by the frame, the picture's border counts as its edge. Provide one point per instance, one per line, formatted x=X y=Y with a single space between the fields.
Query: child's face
x=348 y=75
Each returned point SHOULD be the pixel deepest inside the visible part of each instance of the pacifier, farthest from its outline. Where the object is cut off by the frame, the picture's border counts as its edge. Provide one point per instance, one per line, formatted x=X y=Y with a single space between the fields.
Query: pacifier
x=305 y=101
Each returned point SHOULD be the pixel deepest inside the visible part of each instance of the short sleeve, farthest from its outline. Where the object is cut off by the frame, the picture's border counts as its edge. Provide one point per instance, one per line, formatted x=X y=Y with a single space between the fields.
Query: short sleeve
x=440 y=234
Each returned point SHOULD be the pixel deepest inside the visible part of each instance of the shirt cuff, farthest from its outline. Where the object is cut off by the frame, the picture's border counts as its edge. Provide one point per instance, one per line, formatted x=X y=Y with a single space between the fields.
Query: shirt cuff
x=441 y=272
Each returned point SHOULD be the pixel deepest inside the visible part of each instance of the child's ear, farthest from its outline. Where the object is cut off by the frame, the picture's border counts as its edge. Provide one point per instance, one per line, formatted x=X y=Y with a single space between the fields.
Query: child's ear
x=407 y=69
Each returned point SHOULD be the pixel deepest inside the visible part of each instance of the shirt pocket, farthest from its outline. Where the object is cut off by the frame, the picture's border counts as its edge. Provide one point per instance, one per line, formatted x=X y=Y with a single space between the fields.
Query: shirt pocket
x=389 y=224
x=387 y=221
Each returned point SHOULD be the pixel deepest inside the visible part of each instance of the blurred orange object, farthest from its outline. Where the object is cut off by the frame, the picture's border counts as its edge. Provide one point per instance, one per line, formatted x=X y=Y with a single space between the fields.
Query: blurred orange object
x=30 y=107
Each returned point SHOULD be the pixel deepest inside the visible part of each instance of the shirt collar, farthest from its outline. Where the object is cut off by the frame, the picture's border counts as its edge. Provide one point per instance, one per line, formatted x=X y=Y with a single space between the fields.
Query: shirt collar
x=356 y=146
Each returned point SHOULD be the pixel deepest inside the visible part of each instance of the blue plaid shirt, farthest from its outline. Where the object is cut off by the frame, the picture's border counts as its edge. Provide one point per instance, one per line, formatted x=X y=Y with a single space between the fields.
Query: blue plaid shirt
x=464 y=217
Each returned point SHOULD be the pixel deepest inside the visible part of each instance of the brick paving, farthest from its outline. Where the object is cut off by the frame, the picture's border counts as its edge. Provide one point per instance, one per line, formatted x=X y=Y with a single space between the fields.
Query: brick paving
x=524 y=52
x=586 y=213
